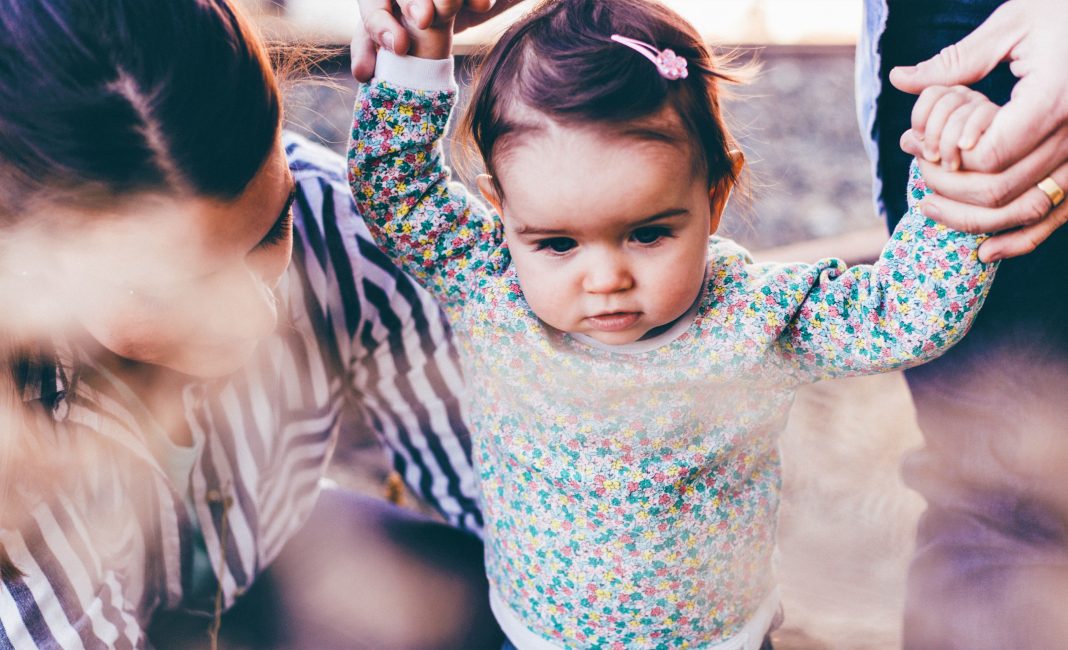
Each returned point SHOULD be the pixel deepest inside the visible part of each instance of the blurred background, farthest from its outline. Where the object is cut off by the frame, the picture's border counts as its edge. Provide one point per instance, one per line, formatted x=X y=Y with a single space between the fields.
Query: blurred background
x=847 y=521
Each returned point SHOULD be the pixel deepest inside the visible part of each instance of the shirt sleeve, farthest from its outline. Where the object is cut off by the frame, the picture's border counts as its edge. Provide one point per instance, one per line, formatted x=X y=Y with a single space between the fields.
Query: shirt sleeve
x=431 y=227
x=913 y=304
x=64 y=597
x=392 y=342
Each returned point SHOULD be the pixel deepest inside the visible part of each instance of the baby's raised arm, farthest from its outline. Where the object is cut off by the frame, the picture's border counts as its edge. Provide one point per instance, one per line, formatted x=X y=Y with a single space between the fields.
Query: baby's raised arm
x=912 y=305
x=428 y=225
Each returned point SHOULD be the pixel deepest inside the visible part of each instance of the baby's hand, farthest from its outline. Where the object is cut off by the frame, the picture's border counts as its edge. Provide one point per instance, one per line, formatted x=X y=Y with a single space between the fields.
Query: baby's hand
x=430 y=26
x=948 y=120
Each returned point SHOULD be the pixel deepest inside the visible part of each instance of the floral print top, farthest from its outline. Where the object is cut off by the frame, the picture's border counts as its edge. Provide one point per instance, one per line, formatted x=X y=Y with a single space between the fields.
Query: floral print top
x=630 y=499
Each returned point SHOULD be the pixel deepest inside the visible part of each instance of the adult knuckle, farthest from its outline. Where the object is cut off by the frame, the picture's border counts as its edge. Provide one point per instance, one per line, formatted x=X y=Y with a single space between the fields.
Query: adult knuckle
x=992 y=194
x=989 y=159
x=970 y=222
x=1032 y=212
x=1033 y=239
x=950 y=56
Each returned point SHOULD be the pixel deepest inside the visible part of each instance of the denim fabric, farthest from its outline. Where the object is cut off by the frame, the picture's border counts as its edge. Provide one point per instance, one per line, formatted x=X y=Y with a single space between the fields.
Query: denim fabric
x=991 y=565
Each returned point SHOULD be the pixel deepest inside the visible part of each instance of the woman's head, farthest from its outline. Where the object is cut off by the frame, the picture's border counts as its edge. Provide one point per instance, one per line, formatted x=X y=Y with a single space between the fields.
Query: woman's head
x=140 y=163
x=609 y=176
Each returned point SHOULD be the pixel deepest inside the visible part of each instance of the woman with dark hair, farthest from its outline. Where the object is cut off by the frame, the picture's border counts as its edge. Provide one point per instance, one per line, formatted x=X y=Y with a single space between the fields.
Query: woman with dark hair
x=191 y=304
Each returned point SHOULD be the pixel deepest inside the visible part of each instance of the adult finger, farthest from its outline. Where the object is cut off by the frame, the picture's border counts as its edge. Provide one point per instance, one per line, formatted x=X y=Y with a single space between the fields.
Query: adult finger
x=362 y=56
x=1024 y=240
x=1030 y=209
x=383 y=27
x=479 y=11
x=1036 y=109
x=969 y=60
x=997 y=189
x=1029 y=34
x=479 y=6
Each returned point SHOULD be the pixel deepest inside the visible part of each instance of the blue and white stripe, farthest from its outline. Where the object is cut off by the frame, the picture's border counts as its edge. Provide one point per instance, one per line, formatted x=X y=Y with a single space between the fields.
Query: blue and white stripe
x=104 y=547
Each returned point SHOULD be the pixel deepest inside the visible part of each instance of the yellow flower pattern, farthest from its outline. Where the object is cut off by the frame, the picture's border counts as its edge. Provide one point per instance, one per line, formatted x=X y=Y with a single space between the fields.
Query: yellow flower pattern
x=630 y=499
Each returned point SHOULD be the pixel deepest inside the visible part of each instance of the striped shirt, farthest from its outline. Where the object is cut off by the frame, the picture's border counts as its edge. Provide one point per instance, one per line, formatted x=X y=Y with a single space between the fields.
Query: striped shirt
x=111 y=541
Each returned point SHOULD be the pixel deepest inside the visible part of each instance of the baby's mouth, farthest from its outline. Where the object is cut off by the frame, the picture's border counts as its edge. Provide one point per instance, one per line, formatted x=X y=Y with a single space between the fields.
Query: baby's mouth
x=614 y=321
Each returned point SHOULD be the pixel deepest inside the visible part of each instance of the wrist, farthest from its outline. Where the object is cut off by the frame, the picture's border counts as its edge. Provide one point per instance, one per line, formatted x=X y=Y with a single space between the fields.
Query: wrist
x=415 y=72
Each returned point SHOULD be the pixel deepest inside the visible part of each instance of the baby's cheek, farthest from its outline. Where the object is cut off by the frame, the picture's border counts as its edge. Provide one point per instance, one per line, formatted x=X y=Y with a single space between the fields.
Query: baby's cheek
x=546 y=301
x=547 y=295
x=679 y=284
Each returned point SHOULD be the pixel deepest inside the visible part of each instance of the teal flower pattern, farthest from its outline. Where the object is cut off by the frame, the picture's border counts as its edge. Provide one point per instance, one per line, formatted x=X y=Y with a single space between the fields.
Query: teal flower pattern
x=631 y=499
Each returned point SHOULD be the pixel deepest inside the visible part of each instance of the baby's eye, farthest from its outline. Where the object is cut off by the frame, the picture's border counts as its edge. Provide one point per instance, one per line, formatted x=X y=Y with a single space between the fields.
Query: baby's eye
x=650 y=234
x=557 y=244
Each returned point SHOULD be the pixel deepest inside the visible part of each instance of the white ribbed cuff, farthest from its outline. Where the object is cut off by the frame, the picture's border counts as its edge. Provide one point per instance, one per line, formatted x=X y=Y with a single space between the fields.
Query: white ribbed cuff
x=415 y=73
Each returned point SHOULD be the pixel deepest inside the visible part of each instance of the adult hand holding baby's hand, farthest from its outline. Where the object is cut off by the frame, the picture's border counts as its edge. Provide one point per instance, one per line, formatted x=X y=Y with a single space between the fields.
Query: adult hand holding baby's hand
x=1027 y=139
x=383 y=29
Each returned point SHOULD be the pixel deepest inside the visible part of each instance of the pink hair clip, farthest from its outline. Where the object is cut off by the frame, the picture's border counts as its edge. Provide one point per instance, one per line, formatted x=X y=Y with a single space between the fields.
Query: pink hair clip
x=670 y=65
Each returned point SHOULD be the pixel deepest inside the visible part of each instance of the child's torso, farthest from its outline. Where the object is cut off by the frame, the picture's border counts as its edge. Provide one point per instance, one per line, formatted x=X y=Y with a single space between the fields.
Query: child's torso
x=628 y=497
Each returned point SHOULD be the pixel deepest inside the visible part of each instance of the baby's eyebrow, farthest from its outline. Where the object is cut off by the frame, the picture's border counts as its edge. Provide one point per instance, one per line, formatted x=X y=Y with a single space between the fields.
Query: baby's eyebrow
x=663 y=214
x=533 y=230
x=559 y=232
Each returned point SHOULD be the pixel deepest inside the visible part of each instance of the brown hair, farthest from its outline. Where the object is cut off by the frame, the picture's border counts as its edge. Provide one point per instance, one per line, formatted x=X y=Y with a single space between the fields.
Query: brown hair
x=559 y=61
x=104 y=100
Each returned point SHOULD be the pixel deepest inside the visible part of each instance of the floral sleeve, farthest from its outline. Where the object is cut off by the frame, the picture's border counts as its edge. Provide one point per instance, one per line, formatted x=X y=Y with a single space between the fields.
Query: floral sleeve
x=430 y=227
x=912 y=305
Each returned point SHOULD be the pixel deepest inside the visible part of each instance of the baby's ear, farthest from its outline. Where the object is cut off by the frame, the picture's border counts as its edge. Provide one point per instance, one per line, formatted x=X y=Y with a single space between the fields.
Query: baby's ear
x=489 y=190
x=720 y=192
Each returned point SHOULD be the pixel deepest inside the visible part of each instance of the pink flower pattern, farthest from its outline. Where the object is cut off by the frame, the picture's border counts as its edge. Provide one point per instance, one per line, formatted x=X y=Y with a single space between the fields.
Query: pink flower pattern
x=631 y=499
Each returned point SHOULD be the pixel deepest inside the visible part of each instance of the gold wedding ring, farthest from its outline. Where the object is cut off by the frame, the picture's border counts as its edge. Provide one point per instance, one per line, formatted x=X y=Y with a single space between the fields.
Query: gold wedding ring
x=1052 y=190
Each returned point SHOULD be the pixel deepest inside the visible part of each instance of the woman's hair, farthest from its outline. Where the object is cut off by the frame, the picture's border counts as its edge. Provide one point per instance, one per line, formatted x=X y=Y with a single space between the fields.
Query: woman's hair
x=560 y=63
x=104 y=100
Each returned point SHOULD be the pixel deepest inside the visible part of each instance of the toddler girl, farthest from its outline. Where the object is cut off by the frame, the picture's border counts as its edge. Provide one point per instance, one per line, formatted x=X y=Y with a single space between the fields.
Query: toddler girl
x=628 y=373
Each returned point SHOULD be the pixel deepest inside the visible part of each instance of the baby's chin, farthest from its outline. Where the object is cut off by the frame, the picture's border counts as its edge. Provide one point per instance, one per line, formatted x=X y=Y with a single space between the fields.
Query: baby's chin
x=616 y=338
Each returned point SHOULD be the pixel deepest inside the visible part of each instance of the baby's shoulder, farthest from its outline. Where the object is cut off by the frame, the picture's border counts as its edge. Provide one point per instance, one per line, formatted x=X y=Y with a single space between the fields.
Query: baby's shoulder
x=723 y=251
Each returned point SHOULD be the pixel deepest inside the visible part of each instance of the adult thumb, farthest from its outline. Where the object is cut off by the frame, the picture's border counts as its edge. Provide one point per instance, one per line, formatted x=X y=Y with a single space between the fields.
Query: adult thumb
x=969 y=60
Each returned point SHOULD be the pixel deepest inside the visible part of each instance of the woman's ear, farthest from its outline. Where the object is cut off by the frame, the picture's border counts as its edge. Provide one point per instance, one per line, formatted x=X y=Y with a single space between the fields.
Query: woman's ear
x=489 y=190
x=720 y=192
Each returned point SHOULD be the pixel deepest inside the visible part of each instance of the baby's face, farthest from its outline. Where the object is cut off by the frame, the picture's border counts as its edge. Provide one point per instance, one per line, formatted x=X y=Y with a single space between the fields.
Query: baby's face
x=609 y=234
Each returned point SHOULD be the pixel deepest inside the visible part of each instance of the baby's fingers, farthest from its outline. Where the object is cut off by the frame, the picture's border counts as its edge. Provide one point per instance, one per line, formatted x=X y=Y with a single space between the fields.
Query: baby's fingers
x=949 y=140
x=978 y=122
x=923 y=106
x=937 y=118
x=963 y=128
